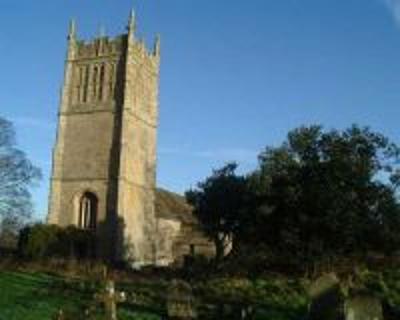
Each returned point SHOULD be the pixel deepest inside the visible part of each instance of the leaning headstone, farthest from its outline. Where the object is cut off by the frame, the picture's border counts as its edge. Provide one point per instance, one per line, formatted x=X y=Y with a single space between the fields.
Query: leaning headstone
x=110 y=297
x=180 y=301
x=327 y=300
x=363 y=306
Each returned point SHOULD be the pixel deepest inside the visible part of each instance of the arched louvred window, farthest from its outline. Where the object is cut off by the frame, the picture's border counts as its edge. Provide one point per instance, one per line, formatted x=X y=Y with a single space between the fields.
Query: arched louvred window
x=88 y=211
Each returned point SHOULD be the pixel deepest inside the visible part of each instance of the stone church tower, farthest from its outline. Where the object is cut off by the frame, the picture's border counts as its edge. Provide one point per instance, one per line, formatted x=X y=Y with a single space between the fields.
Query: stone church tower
x=104 y=158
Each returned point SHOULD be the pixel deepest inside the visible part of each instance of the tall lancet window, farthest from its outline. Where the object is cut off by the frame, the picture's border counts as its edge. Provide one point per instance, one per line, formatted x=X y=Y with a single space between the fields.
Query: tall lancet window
x=79 y=80
x=95 y=82
x=86 y=85
x=111 y=76
x=101 y=85
x=88 y=211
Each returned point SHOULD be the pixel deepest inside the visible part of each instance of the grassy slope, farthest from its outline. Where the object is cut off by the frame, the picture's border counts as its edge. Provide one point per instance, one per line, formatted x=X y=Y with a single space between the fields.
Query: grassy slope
x=25 y=296
x=29 y=297
x=37 y=296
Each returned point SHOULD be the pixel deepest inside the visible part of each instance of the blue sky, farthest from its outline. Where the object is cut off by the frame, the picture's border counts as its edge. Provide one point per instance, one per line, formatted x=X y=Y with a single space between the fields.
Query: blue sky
x=235 y=75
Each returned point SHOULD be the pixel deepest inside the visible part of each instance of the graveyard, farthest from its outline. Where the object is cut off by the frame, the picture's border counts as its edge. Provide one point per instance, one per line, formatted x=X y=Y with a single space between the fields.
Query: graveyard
x=40 y=296
x=46 y=294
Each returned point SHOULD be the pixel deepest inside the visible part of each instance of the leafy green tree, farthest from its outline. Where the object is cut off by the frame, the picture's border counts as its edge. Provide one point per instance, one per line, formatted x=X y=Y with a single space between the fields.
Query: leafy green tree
x=219 y=203
x=17 y=174
x=328 y=193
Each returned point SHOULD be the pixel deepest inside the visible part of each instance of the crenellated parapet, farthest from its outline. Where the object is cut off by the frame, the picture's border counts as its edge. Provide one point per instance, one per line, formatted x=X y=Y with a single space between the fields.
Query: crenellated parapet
x=107 y=47
x=102 y=47
x=98 y=68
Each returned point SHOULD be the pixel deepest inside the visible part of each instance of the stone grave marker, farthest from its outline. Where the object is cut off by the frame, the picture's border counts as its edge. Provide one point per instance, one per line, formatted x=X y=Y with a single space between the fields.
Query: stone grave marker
x=327 y=299
x=180 y=301
x=110 y=297
x=363 y=306
x=235 y=310
x=246 y=312
x=59 y=315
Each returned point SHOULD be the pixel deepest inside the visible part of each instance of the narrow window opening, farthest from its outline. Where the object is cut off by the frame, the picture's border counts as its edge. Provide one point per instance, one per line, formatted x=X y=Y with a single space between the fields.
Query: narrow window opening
x=102 y=72
x=88 y=211
x=78 y=95
x=95 y=75
x=111 y=81
x=86 y=85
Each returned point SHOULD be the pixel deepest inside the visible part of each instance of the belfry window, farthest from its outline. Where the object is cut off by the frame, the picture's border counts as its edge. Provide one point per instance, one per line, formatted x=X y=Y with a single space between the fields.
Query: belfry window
x=102 y=72
x=79 y=85
x=95 y=82
x=111 y=78
x=86 y=85
x=88 y=211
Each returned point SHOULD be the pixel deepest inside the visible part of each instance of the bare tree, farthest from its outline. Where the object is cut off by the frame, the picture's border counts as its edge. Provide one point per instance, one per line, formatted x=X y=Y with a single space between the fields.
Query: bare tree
x=17 y=175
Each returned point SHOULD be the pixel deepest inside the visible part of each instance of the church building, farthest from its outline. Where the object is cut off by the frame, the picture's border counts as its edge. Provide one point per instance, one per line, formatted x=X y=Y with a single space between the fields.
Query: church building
x=104 y=159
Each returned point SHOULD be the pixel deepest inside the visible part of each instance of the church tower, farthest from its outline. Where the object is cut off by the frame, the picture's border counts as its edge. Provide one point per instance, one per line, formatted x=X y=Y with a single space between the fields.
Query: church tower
x=104 y=159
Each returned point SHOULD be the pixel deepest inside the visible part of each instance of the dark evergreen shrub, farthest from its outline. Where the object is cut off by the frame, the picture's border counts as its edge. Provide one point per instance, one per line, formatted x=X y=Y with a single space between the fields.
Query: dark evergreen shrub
x=47 y=241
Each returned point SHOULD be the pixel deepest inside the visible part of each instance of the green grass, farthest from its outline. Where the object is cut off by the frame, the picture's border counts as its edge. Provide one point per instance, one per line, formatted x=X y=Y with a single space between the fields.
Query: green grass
x=29 y=296
x=32 y=296
x=38 y=296
x=271 y=298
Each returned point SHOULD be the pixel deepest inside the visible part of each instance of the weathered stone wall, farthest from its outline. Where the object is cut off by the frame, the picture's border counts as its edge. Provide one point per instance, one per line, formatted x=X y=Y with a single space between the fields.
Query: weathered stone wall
x=106 y=142
x=167 y=233
x=192 y=241
x=178 y=231
x=138 y=154
x=175 y=240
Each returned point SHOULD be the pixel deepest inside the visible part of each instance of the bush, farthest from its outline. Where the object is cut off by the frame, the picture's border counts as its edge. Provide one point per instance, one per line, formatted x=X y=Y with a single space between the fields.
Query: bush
x=45 y=241
x=197 y=267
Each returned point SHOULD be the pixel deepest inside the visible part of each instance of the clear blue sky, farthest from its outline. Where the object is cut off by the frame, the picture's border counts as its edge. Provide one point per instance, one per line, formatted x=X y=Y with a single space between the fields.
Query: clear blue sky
x=235 y=75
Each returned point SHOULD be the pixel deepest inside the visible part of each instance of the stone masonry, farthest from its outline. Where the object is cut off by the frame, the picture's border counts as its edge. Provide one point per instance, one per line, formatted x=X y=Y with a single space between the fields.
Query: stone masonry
x=104 y=158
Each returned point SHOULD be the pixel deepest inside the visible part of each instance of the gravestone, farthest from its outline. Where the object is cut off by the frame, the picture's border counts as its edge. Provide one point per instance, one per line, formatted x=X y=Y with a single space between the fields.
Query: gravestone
x=327 y=299
x=235 y=311
x=363 y=306
x=62 y=315
x=110 y=297
x=180 y=301
x=246 y=312
x=59 y=315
